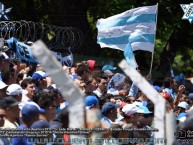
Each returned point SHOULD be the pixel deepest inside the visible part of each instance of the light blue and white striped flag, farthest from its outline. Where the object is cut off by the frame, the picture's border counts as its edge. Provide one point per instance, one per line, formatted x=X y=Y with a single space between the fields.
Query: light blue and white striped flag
x=129 y=31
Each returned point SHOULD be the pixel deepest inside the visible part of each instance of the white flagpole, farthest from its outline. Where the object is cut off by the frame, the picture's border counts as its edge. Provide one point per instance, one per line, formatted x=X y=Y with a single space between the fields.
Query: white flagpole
x=154 y=43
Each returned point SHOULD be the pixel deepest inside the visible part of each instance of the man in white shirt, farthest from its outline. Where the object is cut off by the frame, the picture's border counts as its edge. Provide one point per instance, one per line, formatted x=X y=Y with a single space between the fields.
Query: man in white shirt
x=102 y=87
x=16 y=91
x=28 y=85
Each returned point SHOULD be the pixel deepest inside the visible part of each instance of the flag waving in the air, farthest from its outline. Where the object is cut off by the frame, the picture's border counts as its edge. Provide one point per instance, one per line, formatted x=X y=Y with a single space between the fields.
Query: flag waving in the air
x=129 y=31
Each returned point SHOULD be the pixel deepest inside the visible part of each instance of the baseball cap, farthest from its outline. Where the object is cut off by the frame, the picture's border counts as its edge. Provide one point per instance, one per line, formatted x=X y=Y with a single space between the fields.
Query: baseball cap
x=52 y=88
x=180 y=78
x=108 y=67
x=10 y=101
x=183 y=105
x=190 y=96
x=35 y=104
x=90 y=101
x=29 y=111
x=38 y=75
x=138 y=103
x=157 y=88
x=15 y=89
x=108 y=73
x=91 y=64
x=143 y=110
x=2 y=85
x=169 y=91
x=108 y=106
x=165 y=95
x=40 y=124
x=130 y=109
x=182 y=117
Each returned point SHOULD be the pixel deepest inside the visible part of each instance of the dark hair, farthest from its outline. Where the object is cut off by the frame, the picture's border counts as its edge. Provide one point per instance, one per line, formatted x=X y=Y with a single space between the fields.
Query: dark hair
x=118 y=98
x=167 y=82
x=127 y=99
x=6 y=76
x=150 y=106
x=81 y=69
x=115 y=131
x=26 y=81
x=103 y=100
x=45 y=98
x=2 y=104
x=186 y=92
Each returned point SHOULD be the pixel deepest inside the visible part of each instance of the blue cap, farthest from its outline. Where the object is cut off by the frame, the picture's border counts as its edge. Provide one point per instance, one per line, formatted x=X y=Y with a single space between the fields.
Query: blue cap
x=107 y=107
x=180 y=78
x=143 y=110
x=41 y=110
x=29 y=111
x=190 y=96
x=38 y=75
x=169 y=91
x=90 y=101
x=182 y=117
x=108 y=67
x=183 y=114
x=40 y=124
x=157 y=88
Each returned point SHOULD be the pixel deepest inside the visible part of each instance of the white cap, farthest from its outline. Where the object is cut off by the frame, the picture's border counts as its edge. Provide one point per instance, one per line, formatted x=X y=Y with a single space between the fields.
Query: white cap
x=183 y=105
x=2 y=85
x=15 y=89
x=130 y=109
x=137 y=103
x=108 y=73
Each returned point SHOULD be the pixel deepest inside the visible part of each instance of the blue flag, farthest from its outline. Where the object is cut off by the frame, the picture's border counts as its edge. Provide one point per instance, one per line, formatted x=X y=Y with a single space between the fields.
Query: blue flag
x=134 y=30
x=22 y=50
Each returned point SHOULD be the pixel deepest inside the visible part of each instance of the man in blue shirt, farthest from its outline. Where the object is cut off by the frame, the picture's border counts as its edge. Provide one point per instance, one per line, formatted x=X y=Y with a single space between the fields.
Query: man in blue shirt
x=30 y=114
x=109 y=112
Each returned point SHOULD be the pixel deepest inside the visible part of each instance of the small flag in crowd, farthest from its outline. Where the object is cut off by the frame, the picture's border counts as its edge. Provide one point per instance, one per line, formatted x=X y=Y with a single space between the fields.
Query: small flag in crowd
x=22 y=51
x=129 y=31
x=3 y=12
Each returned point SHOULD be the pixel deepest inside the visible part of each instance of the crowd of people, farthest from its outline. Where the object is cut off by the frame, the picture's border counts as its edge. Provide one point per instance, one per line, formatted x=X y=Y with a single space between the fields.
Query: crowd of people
x=29 y=98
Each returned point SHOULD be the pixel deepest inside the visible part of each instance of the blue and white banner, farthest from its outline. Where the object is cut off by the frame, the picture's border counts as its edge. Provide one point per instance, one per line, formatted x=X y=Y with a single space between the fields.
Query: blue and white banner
x=22 y=51
x=66 y=60
x=136 y=26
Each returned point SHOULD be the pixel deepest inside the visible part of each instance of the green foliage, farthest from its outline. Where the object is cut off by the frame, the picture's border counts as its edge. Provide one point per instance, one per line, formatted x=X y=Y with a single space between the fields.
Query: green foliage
x=182 y=64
